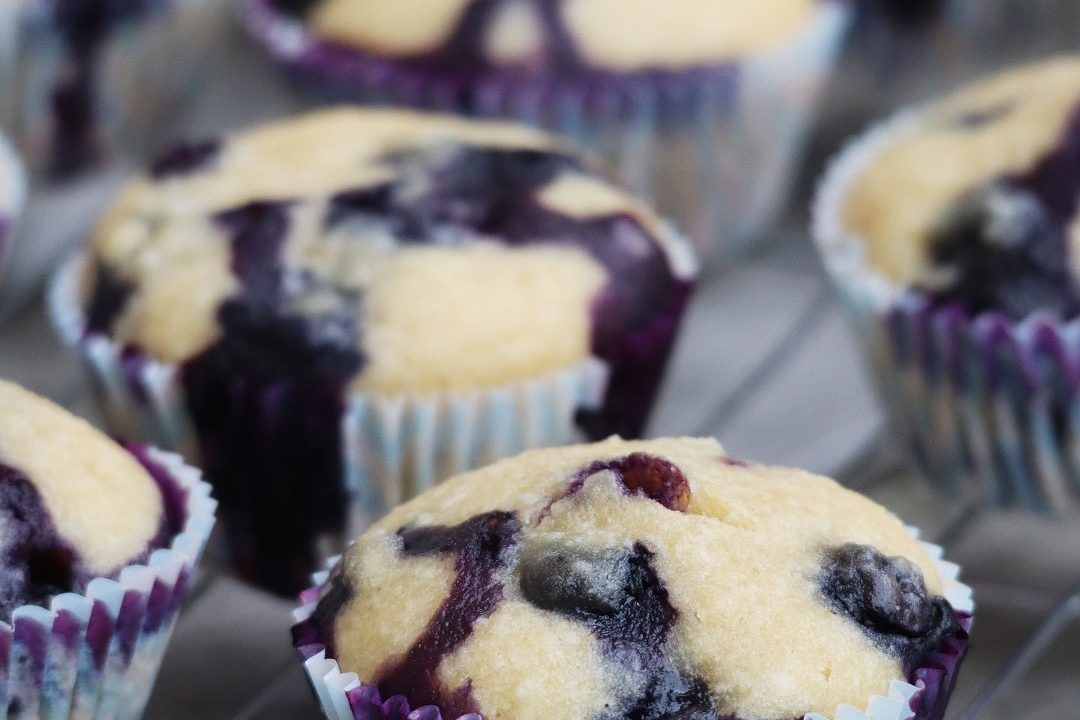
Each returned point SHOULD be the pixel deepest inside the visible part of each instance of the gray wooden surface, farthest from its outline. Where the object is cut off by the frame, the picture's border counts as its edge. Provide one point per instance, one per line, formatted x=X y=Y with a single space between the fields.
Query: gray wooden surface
x=765 y=362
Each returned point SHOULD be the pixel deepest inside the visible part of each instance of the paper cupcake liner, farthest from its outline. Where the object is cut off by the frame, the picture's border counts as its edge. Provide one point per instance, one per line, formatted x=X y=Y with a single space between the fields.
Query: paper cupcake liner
x=70 y=112
x=923 y=696
x=989 y=407
x=12 y=198
x=96 y=655
x=282 y=522
x=713 y=149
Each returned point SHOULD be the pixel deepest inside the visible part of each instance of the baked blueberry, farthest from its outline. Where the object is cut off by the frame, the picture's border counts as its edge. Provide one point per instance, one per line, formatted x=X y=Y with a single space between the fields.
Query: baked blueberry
x=1003 y=249
x=887 y=597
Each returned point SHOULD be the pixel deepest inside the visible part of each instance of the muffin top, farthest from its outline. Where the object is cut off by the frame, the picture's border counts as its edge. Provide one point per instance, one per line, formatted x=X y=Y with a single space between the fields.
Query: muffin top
x=974 y=199
x=74 y=505
x=541 y=36
x=643 y=580
x=404 y=252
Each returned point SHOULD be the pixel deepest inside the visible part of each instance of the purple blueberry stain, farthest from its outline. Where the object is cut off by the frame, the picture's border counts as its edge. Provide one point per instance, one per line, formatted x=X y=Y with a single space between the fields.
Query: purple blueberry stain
x=267 y=399
x=483 y=548
x=887 y=597
x=617 y=594
x=185 y=159
x=642 y=475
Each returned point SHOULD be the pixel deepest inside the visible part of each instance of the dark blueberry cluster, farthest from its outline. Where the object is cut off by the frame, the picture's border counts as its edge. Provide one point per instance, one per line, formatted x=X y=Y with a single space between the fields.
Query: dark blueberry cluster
x=482 y=546
x=571 y=580
x=1005 y=245
x=888 y=599
x=618 y=595
x=1005 y=250
x=37 y=563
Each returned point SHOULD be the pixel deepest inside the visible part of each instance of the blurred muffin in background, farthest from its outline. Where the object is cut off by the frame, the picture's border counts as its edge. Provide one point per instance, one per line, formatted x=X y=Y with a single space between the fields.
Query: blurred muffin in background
x=952 y=231
x=99 y=545
x=86 y=82
x=352 y=305
x=701 y=105
x=636 y=580
x=12 y=199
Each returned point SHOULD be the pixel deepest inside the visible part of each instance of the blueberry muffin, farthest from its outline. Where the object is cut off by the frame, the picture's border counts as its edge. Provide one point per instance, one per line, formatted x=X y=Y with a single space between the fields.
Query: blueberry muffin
x=351 y=258
x=953 y=231
x=641 y=580
x=75 y=504
x=98 y=543
x=977 y=204
x=651 y=86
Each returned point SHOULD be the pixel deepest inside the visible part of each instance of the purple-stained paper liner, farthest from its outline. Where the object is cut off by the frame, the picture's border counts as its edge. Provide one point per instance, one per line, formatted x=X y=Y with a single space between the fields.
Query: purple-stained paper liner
x=713 y=148
x=989 y=407
x=923 y=696
x=96 y=655
x=12 y=199
x=390 y=448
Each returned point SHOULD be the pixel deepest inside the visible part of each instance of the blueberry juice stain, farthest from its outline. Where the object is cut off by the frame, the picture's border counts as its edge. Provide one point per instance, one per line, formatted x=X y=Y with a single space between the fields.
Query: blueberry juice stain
x=482 y=547
x=267 y=401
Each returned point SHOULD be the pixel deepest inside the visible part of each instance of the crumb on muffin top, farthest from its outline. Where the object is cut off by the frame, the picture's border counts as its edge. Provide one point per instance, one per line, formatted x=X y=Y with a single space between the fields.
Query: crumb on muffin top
x=605 y=35
x=635 y=579
x=975 y=200
x=73 y=503
x=417 y=253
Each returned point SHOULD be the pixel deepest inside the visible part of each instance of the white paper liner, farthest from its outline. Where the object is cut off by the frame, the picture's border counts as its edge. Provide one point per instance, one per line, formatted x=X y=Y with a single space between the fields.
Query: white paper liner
x=96 y=655
x=12 y=190
x=331 y=685
x=987 y=405
x=394 y=447
x=720 y=166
